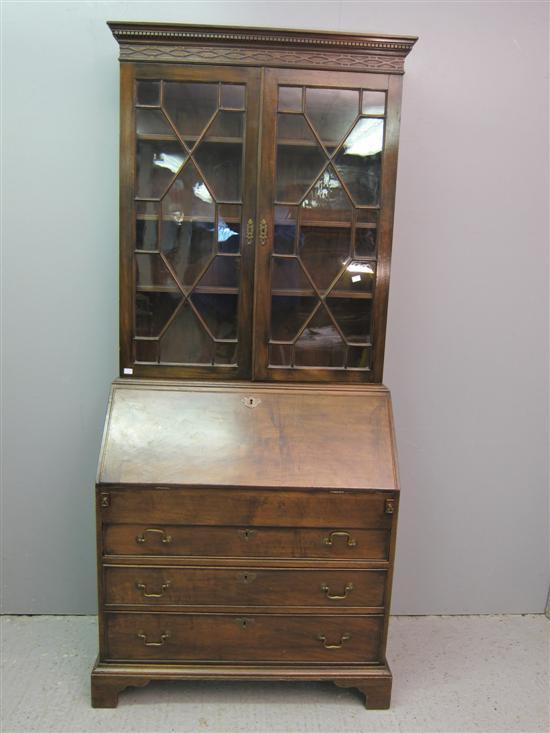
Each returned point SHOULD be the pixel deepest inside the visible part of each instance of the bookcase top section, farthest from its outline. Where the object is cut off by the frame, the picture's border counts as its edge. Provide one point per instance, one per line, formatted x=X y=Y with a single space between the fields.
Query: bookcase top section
x=260 y=46
x=248 y=435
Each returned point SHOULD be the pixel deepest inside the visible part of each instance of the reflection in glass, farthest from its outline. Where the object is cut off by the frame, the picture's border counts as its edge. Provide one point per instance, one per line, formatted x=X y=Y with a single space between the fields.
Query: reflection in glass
x=365 y=242
x=320 y=345
x=327 y=200
x=232 y=96
x=288 y=315
x=284 y=230
x=280 y=354
x=146 y=351
x=359 y=160
x=153 y=311
x=290 y=99
x=358 y=277
x=219 y=156
x=156 y=164
x=185 y=341
x=229 y=228
x=190 y=106
x=187 y=230
x=148 y=92
x=374 y=103
x=332 y=112
x=299 y=158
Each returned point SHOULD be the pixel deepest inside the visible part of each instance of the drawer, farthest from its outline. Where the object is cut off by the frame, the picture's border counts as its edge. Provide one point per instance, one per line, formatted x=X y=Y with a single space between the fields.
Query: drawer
x=205 y=586
x=277 y=508
x=232 y=638
x=259 y=542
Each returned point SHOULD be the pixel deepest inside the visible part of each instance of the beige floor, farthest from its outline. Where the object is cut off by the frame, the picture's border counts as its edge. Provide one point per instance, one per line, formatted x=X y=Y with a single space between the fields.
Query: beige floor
x=452 y=674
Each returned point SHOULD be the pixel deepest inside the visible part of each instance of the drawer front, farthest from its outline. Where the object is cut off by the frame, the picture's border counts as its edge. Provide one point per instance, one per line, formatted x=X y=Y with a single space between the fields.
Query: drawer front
x=244 y=507
x=227 y=638
x=243 y=587
x=260 y=542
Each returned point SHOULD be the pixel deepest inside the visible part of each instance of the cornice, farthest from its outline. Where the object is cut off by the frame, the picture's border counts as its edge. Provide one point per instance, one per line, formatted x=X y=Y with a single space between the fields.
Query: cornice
x=222 y=44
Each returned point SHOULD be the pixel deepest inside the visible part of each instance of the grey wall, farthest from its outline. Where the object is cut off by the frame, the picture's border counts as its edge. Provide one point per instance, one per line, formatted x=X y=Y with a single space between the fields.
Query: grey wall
x=467 y=332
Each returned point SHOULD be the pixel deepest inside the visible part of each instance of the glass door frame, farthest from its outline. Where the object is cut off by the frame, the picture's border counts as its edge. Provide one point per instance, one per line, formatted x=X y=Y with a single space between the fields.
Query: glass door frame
x=250 y=77
x=392 y=85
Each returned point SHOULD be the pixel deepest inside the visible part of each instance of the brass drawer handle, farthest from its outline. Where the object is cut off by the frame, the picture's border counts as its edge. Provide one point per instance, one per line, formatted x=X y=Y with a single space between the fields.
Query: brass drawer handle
x=326 y=590
x=163 y=587
x=165 y=635
x=343 y=638
x=165 y=538
x=263 y=232
x=328 y=540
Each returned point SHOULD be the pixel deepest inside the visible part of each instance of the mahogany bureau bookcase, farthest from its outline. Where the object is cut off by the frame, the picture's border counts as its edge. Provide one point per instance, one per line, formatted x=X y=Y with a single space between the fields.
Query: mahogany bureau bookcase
x=247 y=491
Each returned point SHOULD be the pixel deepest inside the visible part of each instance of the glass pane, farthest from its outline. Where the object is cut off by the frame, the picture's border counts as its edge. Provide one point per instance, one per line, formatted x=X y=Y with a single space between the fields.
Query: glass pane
x=219 y=312
x=187 y=227
x=280 y=354
x=157 y=162
x=219 y=155
x=146 y=351
x=353 y=316
x=152 y=272
x=320 y=344
x=233 y=96
x=223 y=274
x=324 y=252
x=357 y=278
x=285 y=230
x=365 y=233
x=332 y=112
x=154 y=310
x=288 y=315
x=190 y=106
x=359 y=161
x=153 y=122
x=148 y=92
x=299 y=158
x=147 y=225
x=185 y=341
x=359 y=357
x=327 y=200
x=225 y=354
x=287 y=275
x=374 y=103
x=229 y=228
x=290 y=99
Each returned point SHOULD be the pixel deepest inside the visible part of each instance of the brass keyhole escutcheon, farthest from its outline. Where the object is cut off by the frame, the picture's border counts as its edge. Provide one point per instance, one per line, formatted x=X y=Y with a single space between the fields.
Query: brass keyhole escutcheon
x=247 y=578
x=251 y=402
x=247 y=534
x=244 y=623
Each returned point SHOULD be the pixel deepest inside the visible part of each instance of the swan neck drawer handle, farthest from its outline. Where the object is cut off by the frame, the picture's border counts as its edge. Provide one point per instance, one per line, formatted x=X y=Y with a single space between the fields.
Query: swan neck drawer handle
x=142 y=587
x=166 y=539
x=165 y=635
x=328 y=540
x=343 y=638
x=326 y=591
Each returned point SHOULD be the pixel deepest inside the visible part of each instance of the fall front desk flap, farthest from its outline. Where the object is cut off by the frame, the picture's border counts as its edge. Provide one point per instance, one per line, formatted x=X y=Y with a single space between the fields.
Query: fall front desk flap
x=248 y=435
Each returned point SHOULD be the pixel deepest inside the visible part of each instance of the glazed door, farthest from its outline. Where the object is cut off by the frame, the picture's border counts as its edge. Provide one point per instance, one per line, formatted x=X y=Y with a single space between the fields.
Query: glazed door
x=328 y=165
x=189 y=139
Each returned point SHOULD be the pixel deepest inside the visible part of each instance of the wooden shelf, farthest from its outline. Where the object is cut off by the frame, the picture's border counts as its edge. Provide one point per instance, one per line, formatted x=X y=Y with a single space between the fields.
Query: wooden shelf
x=162 y=137
x=307 y=293
x=200 y=289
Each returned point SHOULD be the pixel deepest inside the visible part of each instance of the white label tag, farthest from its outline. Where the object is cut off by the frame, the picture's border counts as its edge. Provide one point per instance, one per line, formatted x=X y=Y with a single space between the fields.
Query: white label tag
x=127 y=371
x=355 y=278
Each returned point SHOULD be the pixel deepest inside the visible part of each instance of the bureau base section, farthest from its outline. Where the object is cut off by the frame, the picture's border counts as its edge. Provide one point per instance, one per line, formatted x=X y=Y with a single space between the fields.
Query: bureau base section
x=109 y=679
